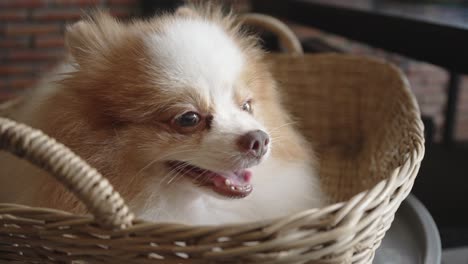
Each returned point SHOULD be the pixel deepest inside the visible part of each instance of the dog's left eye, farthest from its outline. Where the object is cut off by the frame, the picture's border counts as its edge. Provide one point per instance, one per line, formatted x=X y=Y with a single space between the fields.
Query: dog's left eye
x=188 y=119
x=247 y=106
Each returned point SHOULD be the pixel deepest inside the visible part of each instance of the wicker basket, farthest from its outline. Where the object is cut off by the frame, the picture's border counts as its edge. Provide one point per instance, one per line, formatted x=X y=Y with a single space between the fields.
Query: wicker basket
x=365 y=125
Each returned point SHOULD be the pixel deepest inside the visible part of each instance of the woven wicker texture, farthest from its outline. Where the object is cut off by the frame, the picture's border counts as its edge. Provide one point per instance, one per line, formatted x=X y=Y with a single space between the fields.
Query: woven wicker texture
x=365 y=126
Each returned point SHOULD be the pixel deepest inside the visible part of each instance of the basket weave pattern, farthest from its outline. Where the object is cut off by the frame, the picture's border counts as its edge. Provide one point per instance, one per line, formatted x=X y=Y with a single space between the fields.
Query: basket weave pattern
x=358 y=113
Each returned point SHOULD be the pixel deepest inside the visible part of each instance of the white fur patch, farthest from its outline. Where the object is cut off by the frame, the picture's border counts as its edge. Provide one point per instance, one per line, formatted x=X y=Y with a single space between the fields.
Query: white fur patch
x=195 y=53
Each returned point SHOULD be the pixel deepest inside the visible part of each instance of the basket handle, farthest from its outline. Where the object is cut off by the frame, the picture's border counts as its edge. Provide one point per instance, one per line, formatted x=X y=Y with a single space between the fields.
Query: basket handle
x=286 y=36
x=88 y=185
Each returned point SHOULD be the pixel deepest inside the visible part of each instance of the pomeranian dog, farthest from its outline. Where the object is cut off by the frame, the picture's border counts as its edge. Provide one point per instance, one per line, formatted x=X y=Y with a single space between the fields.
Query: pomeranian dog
x=180 y=113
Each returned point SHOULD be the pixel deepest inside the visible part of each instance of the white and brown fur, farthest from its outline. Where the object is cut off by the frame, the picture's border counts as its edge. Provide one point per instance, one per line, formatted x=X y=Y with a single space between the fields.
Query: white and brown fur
x=112 y=100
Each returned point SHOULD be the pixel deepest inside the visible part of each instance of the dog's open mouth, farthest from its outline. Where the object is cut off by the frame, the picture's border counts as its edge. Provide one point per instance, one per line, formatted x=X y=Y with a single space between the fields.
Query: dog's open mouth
x=232 y=184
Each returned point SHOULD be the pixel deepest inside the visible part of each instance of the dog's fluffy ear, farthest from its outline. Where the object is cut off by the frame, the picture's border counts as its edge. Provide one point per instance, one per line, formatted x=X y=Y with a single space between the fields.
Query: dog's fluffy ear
x=92 y=35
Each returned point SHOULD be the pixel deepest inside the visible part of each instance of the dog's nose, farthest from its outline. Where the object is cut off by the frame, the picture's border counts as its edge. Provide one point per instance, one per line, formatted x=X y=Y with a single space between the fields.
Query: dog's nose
x=254 y=142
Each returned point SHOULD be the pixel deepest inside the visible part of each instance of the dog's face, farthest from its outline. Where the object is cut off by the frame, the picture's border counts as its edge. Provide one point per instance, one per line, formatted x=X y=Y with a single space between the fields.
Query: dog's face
x=185 y=91
x=210 y=106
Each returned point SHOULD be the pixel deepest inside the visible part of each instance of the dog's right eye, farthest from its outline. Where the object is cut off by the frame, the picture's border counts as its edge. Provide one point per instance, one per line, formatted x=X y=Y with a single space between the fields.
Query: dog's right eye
x=188 y=119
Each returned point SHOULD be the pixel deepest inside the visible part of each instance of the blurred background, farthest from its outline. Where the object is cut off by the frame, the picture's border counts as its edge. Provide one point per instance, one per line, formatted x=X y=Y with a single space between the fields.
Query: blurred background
x=428 y=40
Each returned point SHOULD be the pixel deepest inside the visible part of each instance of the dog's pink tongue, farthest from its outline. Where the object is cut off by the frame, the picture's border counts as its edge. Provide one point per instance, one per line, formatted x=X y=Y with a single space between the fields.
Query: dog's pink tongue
x=233 y=184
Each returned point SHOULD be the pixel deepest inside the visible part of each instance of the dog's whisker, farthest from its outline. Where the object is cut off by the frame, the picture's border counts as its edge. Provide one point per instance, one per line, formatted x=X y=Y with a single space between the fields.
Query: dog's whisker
x=175 y=170
x=161 y=158
x=281 y=126
x=181 y=167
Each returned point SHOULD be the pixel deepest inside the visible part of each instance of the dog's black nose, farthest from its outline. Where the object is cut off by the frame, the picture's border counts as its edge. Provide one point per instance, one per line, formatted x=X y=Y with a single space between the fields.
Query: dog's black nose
x=254 y=142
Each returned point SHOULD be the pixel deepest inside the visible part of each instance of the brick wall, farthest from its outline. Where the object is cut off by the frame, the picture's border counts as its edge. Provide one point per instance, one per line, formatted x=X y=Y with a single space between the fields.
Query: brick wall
x=31 y=36
x=31 y=41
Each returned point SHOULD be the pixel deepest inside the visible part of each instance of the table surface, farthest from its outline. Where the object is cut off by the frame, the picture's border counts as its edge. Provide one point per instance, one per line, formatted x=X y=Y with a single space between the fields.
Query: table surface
x=413 y=237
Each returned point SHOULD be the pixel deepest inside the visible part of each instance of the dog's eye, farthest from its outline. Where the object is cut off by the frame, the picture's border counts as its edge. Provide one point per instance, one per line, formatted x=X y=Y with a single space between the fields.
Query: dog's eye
x=247 y=106
x=188 y=119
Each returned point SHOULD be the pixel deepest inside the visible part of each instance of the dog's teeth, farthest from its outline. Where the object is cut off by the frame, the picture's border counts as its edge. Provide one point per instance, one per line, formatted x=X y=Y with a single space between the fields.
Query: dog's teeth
x=233 y=188
x=227 y=182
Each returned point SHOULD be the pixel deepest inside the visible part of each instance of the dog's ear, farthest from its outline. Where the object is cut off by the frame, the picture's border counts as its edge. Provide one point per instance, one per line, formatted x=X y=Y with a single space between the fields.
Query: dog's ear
x=186 y=11
x=92 y=35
